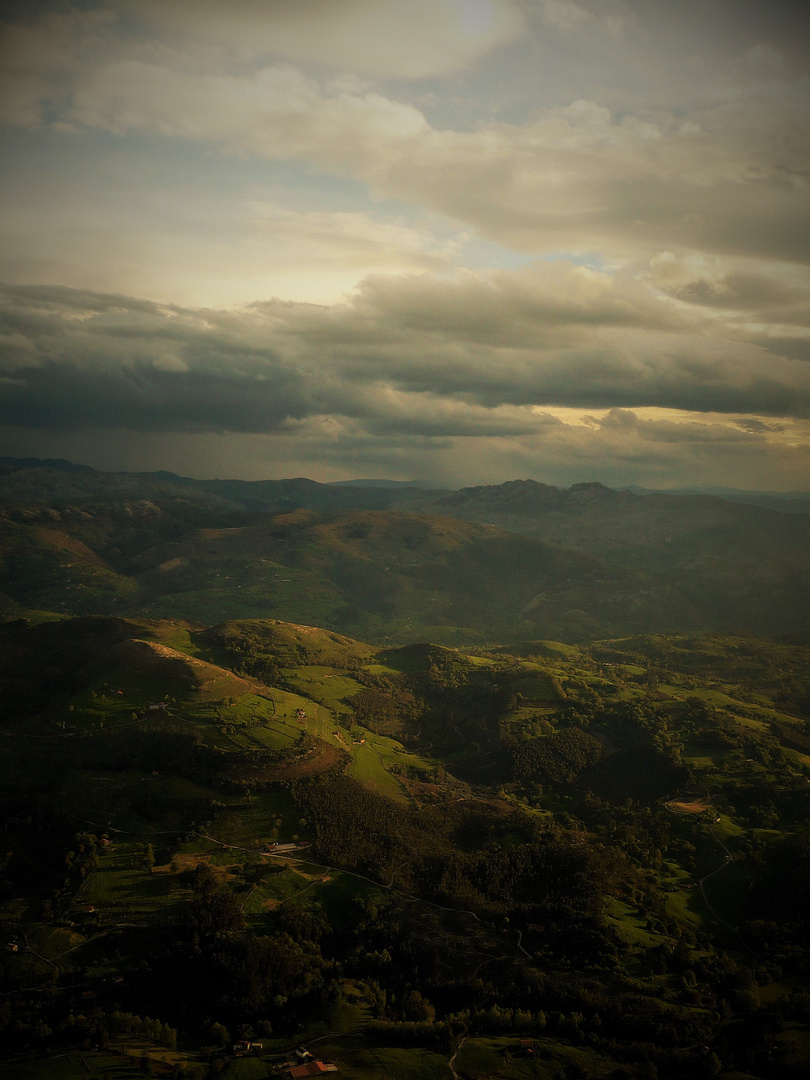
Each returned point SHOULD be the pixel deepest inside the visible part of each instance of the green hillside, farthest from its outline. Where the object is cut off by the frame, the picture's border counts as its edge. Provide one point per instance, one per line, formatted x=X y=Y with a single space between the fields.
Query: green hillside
x=288 y=833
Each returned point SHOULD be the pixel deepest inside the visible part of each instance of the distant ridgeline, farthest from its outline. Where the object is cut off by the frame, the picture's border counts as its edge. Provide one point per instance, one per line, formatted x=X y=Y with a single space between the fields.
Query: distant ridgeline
x=397 y=564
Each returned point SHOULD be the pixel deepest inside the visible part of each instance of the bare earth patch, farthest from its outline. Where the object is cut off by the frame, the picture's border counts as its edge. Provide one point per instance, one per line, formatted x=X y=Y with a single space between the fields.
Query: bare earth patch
x=690 y=806
x=323 y=758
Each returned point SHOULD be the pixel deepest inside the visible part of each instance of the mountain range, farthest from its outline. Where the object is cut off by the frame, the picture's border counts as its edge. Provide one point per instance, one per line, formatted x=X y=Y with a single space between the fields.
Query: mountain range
x=498 y=563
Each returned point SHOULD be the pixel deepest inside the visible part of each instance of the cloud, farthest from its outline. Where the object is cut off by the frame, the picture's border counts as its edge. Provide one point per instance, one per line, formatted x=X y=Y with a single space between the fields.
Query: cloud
x=729 y=177
x=562 y=14
x=278 y=112
x=759 y=427
x=774 y=293
x=348 y=239
x=381 y=39
x=46 y=49
x=483 y=355
x=672 y=431
x=332 y=151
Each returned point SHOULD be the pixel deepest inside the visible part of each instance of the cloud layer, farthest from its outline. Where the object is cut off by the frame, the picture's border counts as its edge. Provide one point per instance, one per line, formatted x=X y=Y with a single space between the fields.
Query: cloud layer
x=515 y=358
x=420 y=232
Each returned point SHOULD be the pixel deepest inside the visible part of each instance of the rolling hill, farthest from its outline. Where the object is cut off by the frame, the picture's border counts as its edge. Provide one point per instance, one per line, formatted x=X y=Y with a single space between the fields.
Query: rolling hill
x=273 y=828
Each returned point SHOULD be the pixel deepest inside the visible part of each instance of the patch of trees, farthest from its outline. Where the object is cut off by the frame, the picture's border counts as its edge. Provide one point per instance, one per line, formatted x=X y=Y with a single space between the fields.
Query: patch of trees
x=793 y=696
x=214 y=911
x=179 y=811
x=246 y=976
x=764 y=806
x=361 y=831
x=549 y=877
x=256 y=974
x=245 y=647
x=644 y=774
x=790 y=736
x=150 y=747
x=777 y=911
x=547 y=873
x=387 y=708
x=50 y=1028
x=36 y=838
x=557 y=758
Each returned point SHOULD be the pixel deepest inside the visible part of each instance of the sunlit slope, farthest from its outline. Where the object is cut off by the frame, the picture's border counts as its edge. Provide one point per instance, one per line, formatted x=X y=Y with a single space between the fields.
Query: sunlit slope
x=105 y=666
x=285 y=644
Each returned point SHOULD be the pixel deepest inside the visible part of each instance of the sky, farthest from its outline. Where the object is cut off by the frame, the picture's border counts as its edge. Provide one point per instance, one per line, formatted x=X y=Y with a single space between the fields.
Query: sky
x=456 y=241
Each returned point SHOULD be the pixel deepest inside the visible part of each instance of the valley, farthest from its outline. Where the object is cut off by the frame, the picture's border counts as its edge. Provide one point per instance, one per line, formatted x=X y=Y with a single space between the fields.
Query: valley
x=461 y=845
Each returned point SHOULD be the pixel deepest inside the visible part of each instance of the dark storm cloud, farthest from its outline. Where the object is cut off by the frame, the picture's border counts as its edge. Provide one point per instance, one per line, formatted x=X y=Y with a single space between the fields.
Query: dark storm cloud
x=142 y=399
x=429 y=358
x=72 y=359
x=792 y=348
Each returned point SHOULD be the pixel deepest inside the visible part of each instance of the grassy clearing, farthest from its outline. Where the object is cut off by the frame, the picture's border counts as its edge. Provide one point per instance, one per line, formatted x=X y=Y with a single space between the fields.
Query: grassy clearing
x=339 y=899
x=688 y=806
x=381 y=669
x=174 y=635
x=630 y=925
x=681 y=907
x=123 y=887
x=276 y=888
x=287 y=706
x=131 y=1048
x=247 y=709
x=265 y=818
x=726 y=891
x=394 y=756
x=274 y=737
x=537 y=687
x=727 y=830
x=755 y=724
x=392 y=1063
x=198 y=845
x=372 y=759
x=52 y=942
x=247 y=1068
x=502 y=1056
x=367 y=767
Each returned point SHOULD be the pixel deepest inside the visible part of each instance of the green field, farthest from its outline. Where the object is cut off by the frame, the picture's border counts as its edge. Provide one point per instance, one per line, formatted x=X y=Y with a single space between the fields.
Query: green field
x=123 y=887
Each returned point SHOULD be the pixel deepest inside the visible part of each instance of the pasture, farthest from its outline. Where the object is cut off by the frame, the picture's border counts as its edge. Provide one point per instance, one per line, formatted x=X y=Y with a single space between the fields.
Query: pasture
x=123 y=887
